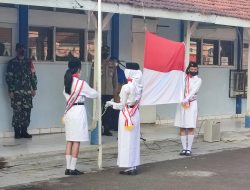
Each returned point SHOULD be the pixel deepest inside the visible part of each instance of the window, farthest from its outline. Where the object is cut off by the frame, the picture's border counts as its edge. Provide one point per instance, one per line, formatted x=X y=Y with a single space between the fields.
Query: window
x=195 y=50
x=238 y=83
x=210 y=52
x=207 y=52
x=245 y=55
x=226 y=53
x=5 y=41
x=69 y=44
x=41 y=43
x=91 y=44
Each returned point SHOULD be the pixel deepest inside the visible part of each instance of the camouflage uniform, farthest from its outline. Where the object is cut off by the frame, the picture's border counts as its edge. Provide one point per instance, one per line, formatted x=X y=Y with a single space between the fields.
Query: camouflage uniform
x=21 y=80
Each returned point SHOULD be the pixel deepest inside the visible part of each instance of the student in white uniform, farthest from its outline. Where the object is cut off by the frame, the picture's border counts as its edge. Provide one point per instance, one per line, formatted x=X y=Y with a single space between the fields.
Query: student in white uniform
x=129 y=120
x=75 y=118
x=186 y=115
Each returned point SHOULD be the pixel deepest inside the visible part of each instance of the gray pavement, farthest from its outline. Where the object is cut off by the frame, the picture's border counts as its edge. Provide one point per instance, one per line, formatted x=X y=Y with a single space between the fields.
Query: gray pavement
x=227 y=170
x=42 y=158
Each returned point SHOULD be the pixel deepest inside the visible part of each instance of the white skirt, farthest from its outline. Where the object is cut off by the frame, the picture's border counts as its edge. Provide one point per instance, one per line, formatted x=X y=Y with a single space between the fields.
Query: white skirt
x=129 y=142
x=186 y=118
x=76 y=124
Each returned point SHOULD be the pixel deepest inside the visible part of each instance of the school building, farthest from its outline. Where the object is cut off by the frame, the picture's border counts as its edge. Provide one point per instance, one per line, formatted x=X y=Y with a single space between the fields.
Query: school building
x=216 y=35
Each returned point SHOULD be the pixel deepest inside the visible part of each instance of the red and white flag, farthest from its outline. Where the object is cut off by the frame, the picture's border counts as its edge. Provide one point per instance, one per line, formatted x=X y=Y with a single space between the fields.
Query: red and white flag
x=163 y=74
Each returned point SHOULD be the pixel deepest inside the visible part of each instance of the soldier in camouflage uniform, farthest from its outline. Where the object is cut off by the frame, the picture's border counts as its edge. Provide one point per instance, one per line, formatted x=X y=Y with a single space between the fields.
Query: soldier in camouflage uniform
x=22 y=85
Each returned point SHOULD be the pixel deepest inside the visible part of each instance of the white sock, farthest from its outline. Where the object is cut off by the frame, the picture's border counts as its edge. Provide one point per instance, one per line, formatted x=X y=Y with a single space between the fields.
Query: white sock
x=184 y=142
x=73 y=163
x=190 y=142
x=68 y=161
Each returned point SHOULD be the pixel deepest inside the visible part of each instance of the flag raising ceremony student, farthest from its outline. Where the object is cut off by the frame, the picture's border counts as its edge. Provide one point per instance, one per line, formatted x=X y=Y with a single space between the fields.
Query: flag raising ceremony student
x=186 y=114
x=129 y=120
x=75 y=118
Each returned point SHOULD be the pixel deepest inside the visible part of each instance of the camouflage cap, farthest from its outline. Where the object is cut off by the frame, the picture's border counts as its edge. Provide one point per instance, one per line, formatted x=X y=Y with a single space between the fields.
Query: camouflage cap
x=19 y=46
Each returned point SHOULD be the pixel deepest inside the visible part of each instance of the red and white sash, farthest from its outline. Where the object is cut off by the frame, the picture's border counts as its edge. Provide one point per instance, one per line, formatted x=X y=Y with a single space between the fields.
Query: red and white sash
x=73 y=97
x=128 y=114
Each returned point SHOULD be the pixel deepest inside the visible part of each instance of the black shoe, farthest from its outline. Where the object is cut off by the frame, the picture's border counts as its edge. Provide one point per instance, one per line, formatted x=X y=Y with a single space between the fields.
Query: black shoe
x=17 y=133
x=188 y=153
x=75 y=172
x=129 y=172
x=26 y=135
x=18 y=136
x=109 y=134
x=67 y=172
x=183 y=152
x=123 y=172
x=133 y=172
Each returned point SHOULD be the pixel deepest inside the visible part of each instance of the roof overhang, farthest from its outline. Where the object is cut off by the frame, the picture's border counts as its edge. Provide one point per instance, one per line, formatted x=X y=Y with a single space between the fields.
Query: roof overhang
x=130 y=10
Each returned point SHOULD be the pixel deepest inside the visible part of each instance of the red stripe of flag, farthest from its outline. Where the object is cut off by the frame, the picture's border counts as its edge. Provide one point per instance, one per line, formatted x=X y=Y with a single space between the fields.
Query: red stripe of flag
x=163 y=55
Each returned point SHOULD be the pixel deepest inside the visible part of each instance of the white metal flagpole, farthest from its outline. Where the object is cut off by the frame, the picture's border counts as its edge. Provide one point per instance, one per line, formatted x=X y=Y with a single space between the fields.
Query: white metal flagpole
x=99 y=85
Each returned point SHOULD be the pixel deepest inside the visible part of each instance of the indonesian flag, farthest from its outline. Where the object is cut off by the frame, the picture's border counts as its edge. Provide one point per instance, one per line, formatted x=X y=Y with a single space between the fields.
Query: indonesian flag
x=163 y=74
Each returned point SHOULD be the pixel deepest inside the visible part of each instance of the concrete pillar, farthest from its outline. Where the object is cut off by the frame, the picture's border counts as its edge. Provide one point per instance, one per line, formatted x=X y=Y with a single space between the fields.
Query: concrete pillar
x=247 y=118
x=187 y=42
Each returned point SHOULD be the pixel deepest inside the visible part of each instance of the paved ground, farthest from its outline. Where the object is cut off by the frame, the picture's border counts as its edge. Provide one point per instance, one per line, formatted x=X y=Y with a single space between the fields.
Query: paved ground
x=31 y=161
x=227 y=170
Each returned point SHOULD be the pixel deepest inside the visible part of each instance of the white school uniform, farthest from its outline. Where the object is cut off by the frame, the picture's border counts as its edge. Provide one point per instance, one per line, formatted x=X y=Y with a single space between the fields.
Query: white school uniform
x=186 y=118
x=129 y=140
x=76 y=123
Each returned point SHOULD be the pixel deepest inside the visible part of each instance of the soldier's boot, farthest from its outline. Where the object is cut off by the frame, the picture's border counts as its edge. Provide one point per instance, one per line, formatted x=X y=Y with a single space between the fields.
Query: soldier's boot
x=17 y=133
x=25 y=134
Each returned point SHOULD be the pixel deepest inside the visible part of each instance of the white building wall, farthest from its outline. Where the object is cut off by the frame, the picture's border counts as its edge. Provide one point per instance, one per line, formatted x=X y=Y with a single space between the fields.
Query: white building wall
x=49 y=103
x=8 y=18
x=125 y=37
x=169 y=29
x=8 y=15
x=60 y=19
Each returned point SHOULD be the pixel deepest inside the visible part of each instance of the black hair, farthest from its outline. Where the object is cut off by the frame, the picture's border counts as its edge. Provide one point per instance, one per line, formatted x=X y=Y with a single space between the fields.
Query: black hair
x=73 y=67
x=191 y=64
x=133 y=66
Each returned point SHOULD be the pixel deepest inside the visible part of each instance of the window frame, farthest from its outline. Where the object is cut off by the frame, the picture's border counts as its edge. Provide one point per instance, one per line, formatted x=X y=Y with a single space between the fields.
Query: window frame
x=82 y=41
x=51 y=43
x=54 y=30
x=233 y=52
x=4 y=59
x=196 y=39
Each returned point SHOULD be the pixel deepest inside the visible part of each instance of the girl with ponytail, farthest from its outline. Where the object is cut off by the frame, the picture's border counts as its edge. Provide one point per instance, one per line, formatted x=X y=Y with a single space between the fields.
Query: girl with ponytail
x=75 y=117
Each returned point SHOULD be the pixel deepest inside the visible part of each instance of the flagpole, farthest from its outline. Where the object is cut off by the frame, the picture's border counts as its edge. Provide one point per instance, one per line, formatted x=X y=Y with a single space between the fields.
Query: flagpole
x=99 y=59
